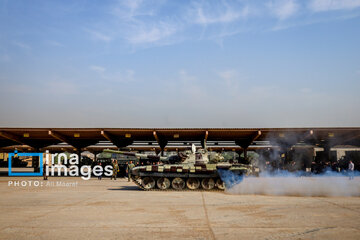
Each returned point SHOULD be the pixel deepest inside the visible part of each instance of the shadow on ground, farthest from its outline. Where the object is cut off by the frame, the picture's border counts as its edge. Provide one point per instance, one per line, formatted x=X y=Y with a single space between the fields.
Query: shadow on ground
x=126 y=188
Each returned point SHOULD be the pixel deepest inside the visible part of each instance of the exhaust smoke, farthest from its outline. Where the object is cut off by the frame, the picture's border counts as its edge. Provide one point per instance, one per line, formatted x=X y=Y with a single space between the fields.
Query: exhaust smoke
x=291 y=184
x=284 y=175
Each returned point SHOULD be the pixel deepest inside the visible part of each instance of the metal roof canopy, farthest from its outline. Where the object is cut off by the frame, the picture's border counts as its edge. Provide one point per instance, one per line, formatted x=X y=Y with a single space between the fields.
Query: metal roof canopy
x=82 y=138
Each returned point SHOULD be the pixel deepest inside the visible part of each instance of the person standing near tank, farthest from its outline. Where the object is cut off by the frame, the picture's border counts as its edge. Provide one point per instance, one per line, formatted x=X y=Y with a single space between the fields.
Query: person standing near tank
x=100 y=176
x=128 y=169
x=351 y=170
x=115 y=169
x=44 y=171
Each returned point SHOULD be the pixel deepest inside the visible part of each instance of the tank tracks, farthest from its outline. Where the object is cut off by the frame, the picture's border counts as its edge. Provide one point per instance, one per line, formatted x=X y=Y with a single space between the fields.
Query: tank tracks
x=137 y=181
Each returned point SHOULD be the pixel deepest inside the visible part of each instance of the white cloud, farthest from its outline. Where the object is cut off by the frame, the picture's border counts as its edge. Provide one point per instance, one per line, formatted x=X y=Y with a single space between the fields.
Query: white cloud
x=128 y=76
x=99 y=36
x=328 y=5
x=121 y=76
x=283 y=9
x=132 y=5
x=155 y=23
x=54 y=43
x=219 y=19
x=140 y=25
x=225 y=17
x=129 y=10
x=221 y=13
x=150 y=34
x=227 y=75
x=285 y=25
x=21 y=45
x=98 y=69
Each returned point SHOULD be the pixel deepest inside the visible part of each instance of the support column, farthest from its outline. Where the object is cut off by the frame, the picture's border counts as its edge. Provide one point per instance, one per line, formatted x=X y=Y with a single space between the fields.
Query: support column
x=203 y=142
x=246 y=161
x=78 y=152
x=327 y=153
x=36 y=161
x=239 y=153
x=162 y=148
x=162 y=142
x=157 y=151
x=95 y=155
x=244 y=150
x=284 y=158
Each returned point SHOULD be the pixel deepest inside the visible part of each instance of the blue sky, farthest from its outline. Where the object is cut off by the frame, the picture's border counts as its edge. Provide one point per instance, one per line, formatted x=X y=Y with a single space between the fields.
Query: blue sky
x=245 y=63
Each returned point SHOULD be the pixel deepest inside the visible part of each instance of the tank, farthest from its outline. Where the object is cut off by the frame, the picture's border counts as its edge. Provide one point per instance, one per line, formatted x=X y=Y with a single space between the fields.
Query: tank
x=193 y=171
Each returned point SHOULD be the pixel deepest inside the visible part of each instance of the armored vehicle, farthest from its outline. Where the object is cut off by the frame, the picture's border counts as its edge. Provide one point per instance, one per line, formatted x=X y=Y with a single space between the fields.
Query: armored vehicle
x=193 y=171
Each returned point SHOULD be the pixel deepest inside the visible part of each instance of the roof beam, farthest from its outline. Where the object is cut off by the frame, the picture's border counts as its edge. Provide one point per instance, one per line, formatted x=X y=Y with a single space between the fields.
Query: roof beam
x=256 y=136
x=12 y=137
x=59 y=136
x=309 y=137
x=203 y=142
x=107 y=137
x=309 y=134
x=118 y=142
x=64 y=139
x=246 y=143
x=162 y=142
x=156 y=137
x=344 y=138
x=352 y=137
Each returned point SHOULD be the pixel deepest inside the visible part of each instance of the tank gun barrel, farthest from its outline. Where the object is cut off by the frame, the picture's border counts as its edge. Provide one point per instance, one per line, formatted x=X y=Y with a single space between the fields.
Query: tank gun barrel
x=140 y=155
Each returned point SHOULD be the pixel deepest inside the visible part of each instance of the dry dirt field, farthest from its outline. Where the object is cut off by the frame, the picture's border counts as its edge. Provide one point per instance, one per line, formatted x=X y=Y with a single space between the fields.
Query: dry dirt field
x=108 y=209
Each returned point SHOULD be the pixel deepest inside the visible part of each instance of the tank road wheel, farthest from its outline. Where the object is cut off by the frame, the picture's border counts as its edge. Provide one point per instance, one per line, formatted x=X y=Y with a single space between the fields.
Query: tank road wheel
x=148 y=183
x=163 y=183
x=208 y=183
x=178 y=183
x=220 y=184
x=193 y=183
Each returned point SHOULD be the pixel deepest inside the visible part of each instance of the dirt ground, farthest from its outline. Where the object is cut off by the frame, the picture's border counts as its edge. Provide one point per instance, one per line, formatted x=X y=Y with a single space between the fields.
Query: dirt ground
x=93 y=209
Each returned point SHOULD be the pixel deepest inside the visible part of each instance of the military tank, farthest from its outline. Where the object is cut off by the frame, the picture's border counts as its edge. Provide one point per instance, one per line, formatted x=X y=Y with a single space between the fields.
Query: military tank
x=194 y=171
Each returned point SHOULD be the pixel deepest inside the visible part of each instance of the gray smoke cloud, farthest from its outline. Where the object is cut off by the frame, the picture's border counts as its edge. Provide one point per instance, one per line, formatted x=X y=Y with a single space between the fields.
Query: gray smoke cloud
x=287 y=177
x=329 y=185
